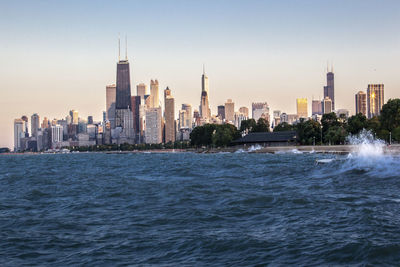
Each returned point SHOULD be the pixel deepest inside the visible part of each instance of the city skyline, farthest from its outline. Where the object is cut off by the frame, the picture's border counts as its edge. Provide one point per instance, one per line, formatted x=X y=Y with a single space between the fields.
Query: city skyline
x=243 y=77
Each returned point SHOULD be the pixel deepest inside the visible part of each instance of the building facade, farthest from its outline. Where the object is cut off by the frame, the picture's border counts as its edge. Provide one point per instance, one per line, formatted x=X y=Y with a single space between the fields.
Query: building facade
x=154 y=94
x=327 y=105
x=153 y=133
x=361 y=103
x=302 y=107
x=169 y=115
x=329 y=89
x=375 y=99
x=230 y=111
x=316 y=107
x=111 y=91
x=260 y=110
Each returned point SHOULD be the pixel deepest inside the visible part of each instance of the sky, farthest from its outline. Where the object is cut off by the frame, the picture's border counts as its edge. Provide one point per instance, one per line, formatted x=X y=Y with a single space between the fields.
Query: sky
x=59 y=55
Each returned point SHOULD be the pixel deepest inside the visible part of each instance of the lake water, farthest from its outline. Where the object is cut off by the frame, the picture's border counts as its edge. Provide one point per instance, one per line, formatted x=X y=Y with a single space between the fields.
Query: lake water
x=199 y=209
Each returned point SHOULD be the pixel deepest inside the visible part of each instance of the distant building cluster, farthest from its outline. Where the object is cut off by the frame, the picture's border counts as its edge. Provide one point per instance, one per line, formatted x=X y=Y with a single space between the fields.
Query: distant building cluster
x=141 y=119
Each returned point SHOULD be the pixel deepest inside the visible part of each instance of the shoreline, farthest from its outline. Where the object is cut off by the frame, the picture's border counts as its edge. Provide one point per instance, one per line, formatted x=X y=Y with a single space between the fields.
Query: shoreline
x=334 y=149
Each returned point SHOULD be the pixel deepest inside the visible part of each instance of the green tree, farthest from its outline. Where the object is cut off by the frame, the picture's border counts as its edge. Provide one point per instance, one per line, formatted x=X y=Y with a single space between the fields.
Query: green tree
x=329 y=120
x=374 y=125
x=356 y=123
x=247 y=125
x=284 y=126
x=202 y=135
x=261 y=126
x=396 y=134
x=307 y=131
x=335 y=135
x=390 y=115
x=224 y=135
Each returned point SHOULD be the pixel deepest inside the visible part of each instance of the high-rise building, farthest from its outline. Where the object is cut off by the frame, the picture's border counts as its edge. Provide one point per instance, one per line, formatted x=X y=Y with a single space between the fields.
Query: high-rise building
x=153 y=133
x=124 y=132
x=56 y=135
x=229 y=111
x=90 y=119
x=205 y=112
x=238 y=118
x=327 y=105
x=169 y=115
x=19 y=132
x=244 y=111
x=221 y=112
x=45 y=123
x=189 y=115
x=375 y=99
x=141 y=90
x=74 y=115
x=302 y=107
x=154 y=94
x=25 y=119
x=123 y=87
x=329 y=89
x=260 y=110
x=182 y=119
x=135 y=104
x=361 y=103
x=316 y=107
x=111 y=94
x=35 y=124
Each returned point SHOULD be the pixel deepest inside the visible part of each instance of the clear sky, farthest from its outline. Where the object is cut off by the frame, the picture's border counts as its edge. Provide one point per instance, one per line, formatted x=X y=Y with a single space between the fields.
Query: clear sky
x=59 y=55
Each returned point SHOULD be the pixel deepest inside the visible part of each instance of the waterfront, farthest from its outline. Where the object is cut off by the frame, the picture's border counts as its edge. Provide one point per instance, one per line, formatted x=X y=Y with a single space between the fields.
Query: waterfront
x=198 y=209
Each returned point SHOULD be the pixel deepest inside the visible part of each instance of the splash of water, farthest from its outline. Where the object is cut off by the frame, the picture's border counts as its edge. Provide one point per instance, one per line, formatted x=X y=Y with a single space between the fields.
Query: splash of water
x=365 y=145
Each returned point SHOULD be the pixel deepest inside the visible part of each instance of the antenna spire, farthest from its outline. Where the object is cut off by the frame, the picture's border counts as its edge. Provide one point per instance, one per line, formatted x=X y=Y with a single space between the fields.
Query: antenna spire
x=126 y=47
x=119 y=48
x=204 y=70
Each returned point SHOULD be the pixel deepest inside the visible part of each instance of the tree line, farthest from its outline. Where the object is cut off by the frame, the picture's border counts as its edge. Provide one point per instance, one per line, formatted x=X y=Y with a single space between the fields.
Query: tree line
x=331 y=130
x=334 y=130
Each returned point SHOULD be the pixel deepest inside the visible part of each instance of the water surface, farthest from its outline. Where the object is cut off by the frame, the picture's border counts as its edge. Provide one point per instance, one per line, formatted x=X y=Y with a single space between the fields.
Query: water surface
x=196 y=209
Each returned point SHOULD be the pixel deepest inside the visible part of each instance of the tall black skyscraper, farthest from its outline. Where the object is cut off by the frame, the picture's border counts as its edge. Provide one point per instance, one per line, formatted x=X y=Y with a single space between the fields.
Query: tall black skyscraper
x=329 y=89
x=123 y=94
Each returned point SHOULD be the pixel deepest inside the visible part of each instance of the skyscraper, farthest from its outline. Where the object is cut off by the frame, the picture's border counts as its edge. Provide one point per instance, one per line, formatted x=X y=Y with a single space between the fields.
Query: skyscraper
x=361 y=103
x=111 y=91
x=229 y=111
x=123 y=108
x=25 y=119
x=141 y=89
x=221 y=112
x=19 y=132
x=154 y=94
x=56 y=135
x=35 y=124
x=74 y=115
x=316 y=107
x=153 y=133
x=327 y=105
x=302 y=107
x=375 y=99
x=123 y=87
x=329 y=89
x=45 y=123
x=189 y=115
x=169 y=114
x=205 y=112
x=244 y=111
x=135 y=104
x=260 y=110
x=204 y=81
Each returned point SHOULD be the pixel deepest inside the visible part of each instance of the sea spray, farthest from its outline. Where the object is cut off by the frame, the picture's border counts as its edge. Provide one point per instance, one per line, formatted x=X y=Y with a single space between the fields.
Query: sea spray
x=368 y=156
x=366 y=145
